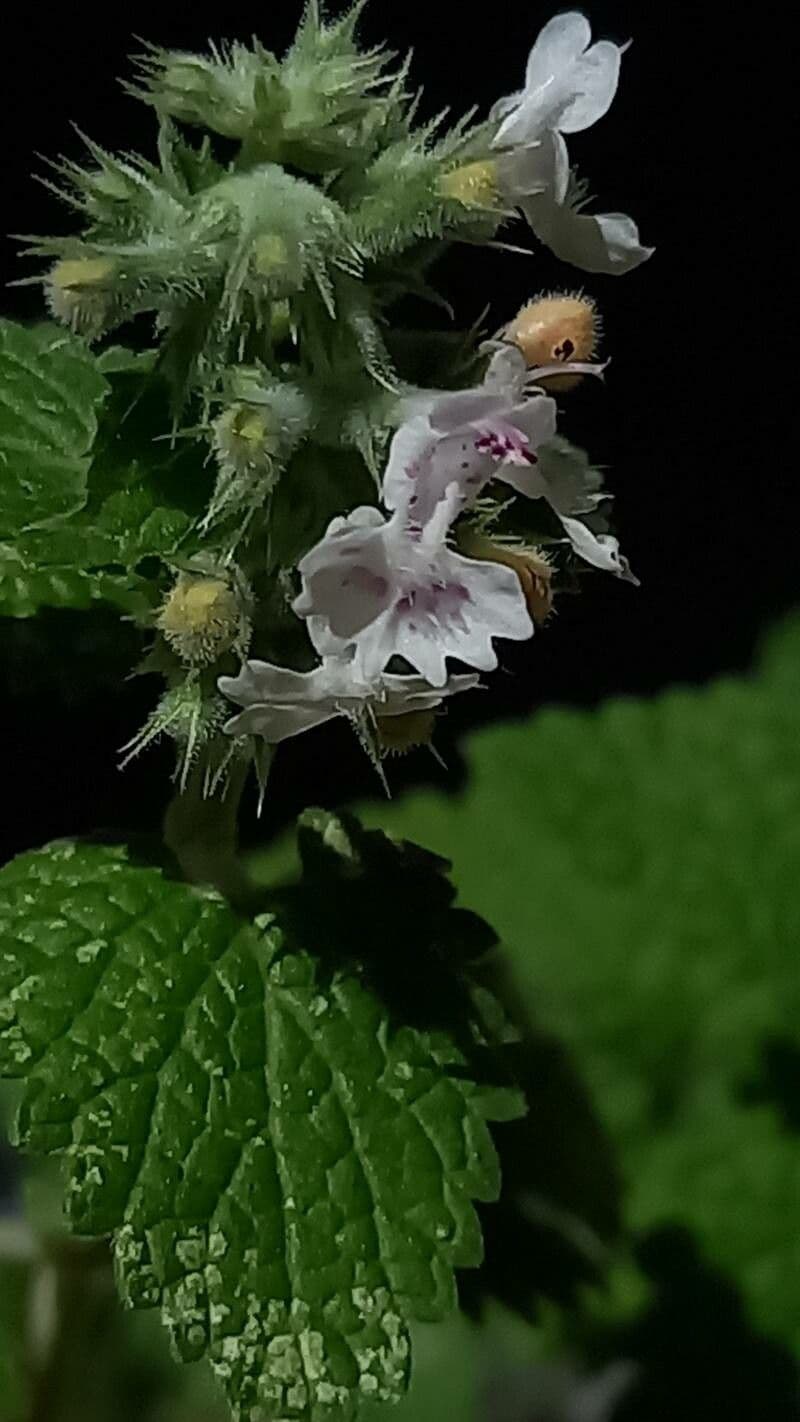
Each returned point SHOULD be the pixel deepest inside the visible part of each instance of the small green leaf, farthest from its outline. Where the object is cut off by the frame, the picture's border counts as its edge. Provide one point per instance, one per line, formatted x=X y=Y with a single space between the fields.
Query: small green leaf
x=287 y=1162
x=50 y=394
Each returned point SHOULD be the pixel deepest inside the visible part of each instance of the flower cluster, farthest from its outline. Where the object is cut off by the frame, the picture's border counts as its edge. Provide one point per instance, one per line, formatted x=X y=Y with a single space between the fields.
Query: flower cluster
x=386 y=588
x=395 y=597
x=272 y=253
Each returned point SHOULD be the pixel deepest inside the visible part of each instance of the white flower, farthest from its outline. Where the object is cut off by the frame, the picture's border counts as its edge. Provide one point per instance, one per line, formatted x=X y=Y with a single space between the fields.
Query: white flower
x=502 y=429
x=538 y=180
x=466 y=438
x=393 y=588
x=278 y=703
x=570 y=84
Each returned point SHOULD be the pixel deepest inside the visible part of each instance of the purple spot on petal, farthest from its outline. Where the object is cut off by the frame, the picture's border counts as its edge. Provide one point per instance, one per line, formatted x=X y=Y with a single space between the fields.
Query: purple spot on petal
x=364 y=580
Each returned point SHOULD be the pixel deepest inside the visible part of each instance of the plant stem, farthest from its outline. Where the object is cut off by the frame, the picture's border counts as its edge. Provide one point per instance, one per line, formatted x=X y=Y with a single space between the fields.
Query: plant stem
x=202 y=832
x=71 y=1383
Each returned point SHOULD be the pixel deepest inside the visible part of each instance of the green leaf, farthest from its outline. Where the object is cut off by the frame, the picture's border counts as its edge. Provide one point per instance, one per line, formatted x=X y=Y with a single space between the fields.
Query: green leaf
x=50 y=395
x=127 y=528
x=140 y=499
x=644 y=877
x=287 y=1160
x=26 y=585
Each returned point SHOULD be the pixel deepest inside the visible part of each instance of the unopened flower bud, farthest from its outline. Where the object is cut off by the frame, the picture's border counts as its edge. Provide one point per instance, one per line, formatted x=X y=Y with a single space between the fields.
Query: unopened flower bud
x=190 y=715
x=473 y=185
x=202 y=618
x=246 y=438
x=399 y=734
x=253 y=440
x=556 y=329
x=203 y=91
x=274 y=261
x=80 y=293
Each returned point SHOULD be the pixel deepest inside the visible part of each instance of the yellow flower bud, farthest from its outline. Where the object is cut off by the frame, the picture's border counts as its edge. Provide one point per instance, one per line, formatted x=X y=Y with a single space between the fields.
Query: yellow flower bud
x=270 y=255
x=80 y=293
x=246 y=438
x=473 y=185
x=201 y=618
x=280 y=321
x=556 y=328
x=530 y=565
x=399 y=734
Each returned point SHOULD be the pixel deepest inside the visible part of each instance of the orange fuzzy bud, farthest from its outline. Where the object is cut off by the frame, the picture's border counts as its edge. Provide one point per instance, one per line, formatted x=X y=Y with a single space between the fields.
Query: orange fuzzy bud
x=555 y=329
x=530 y=565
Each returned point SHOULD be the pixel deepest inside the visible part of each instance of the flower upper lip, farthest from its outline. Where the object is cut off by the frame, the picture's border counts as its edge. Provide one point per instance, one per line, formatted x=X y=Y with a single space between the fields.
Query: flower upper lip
x=570 y=83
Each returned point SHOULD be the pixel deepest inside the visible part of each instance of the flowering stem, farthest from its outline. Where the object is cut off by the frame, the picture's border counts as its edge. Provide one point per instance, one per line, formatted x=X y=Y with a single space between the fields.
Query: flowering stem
x=202 y=832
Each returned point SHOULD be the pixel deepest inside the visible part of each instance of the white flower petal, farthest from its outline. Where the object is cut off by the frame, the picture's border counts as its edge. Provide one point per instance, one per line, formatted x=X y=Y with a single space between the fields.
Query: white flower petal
x=560 y=42
x=553 y=83
x=456 y=615
x=460 y=465
x=502 y=107
x=465 y=407
x=520 y=173
x=526 y=479
x=410 y=452
x=507 y=373
x=323 y=640
x=537 y=418
x=571 y=485
x=594 y=80
x=569 y=84
x=279 y=723
x=534 y=115
x=420 y=640
x=496 y=598
x=347 y=576
x=280 y=703
x=601 y=549
x=411 y=693
x=440 y=464
x=537 y=171
x=607 y=243
x=257 y=681
x=367 y=516
x=424 y=463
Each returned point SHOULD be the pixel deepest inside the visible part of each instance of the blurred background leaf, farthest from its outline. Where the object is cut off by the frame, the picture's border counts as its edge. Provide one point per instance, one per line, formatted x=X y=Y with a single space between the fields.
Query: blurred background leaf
x=639 y=863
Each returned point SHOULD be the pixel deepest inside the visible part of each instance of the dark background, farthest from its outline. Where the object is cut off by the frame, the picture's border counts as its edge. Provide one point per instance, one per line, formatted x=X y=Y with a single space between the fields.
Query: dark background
x=706 y=502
